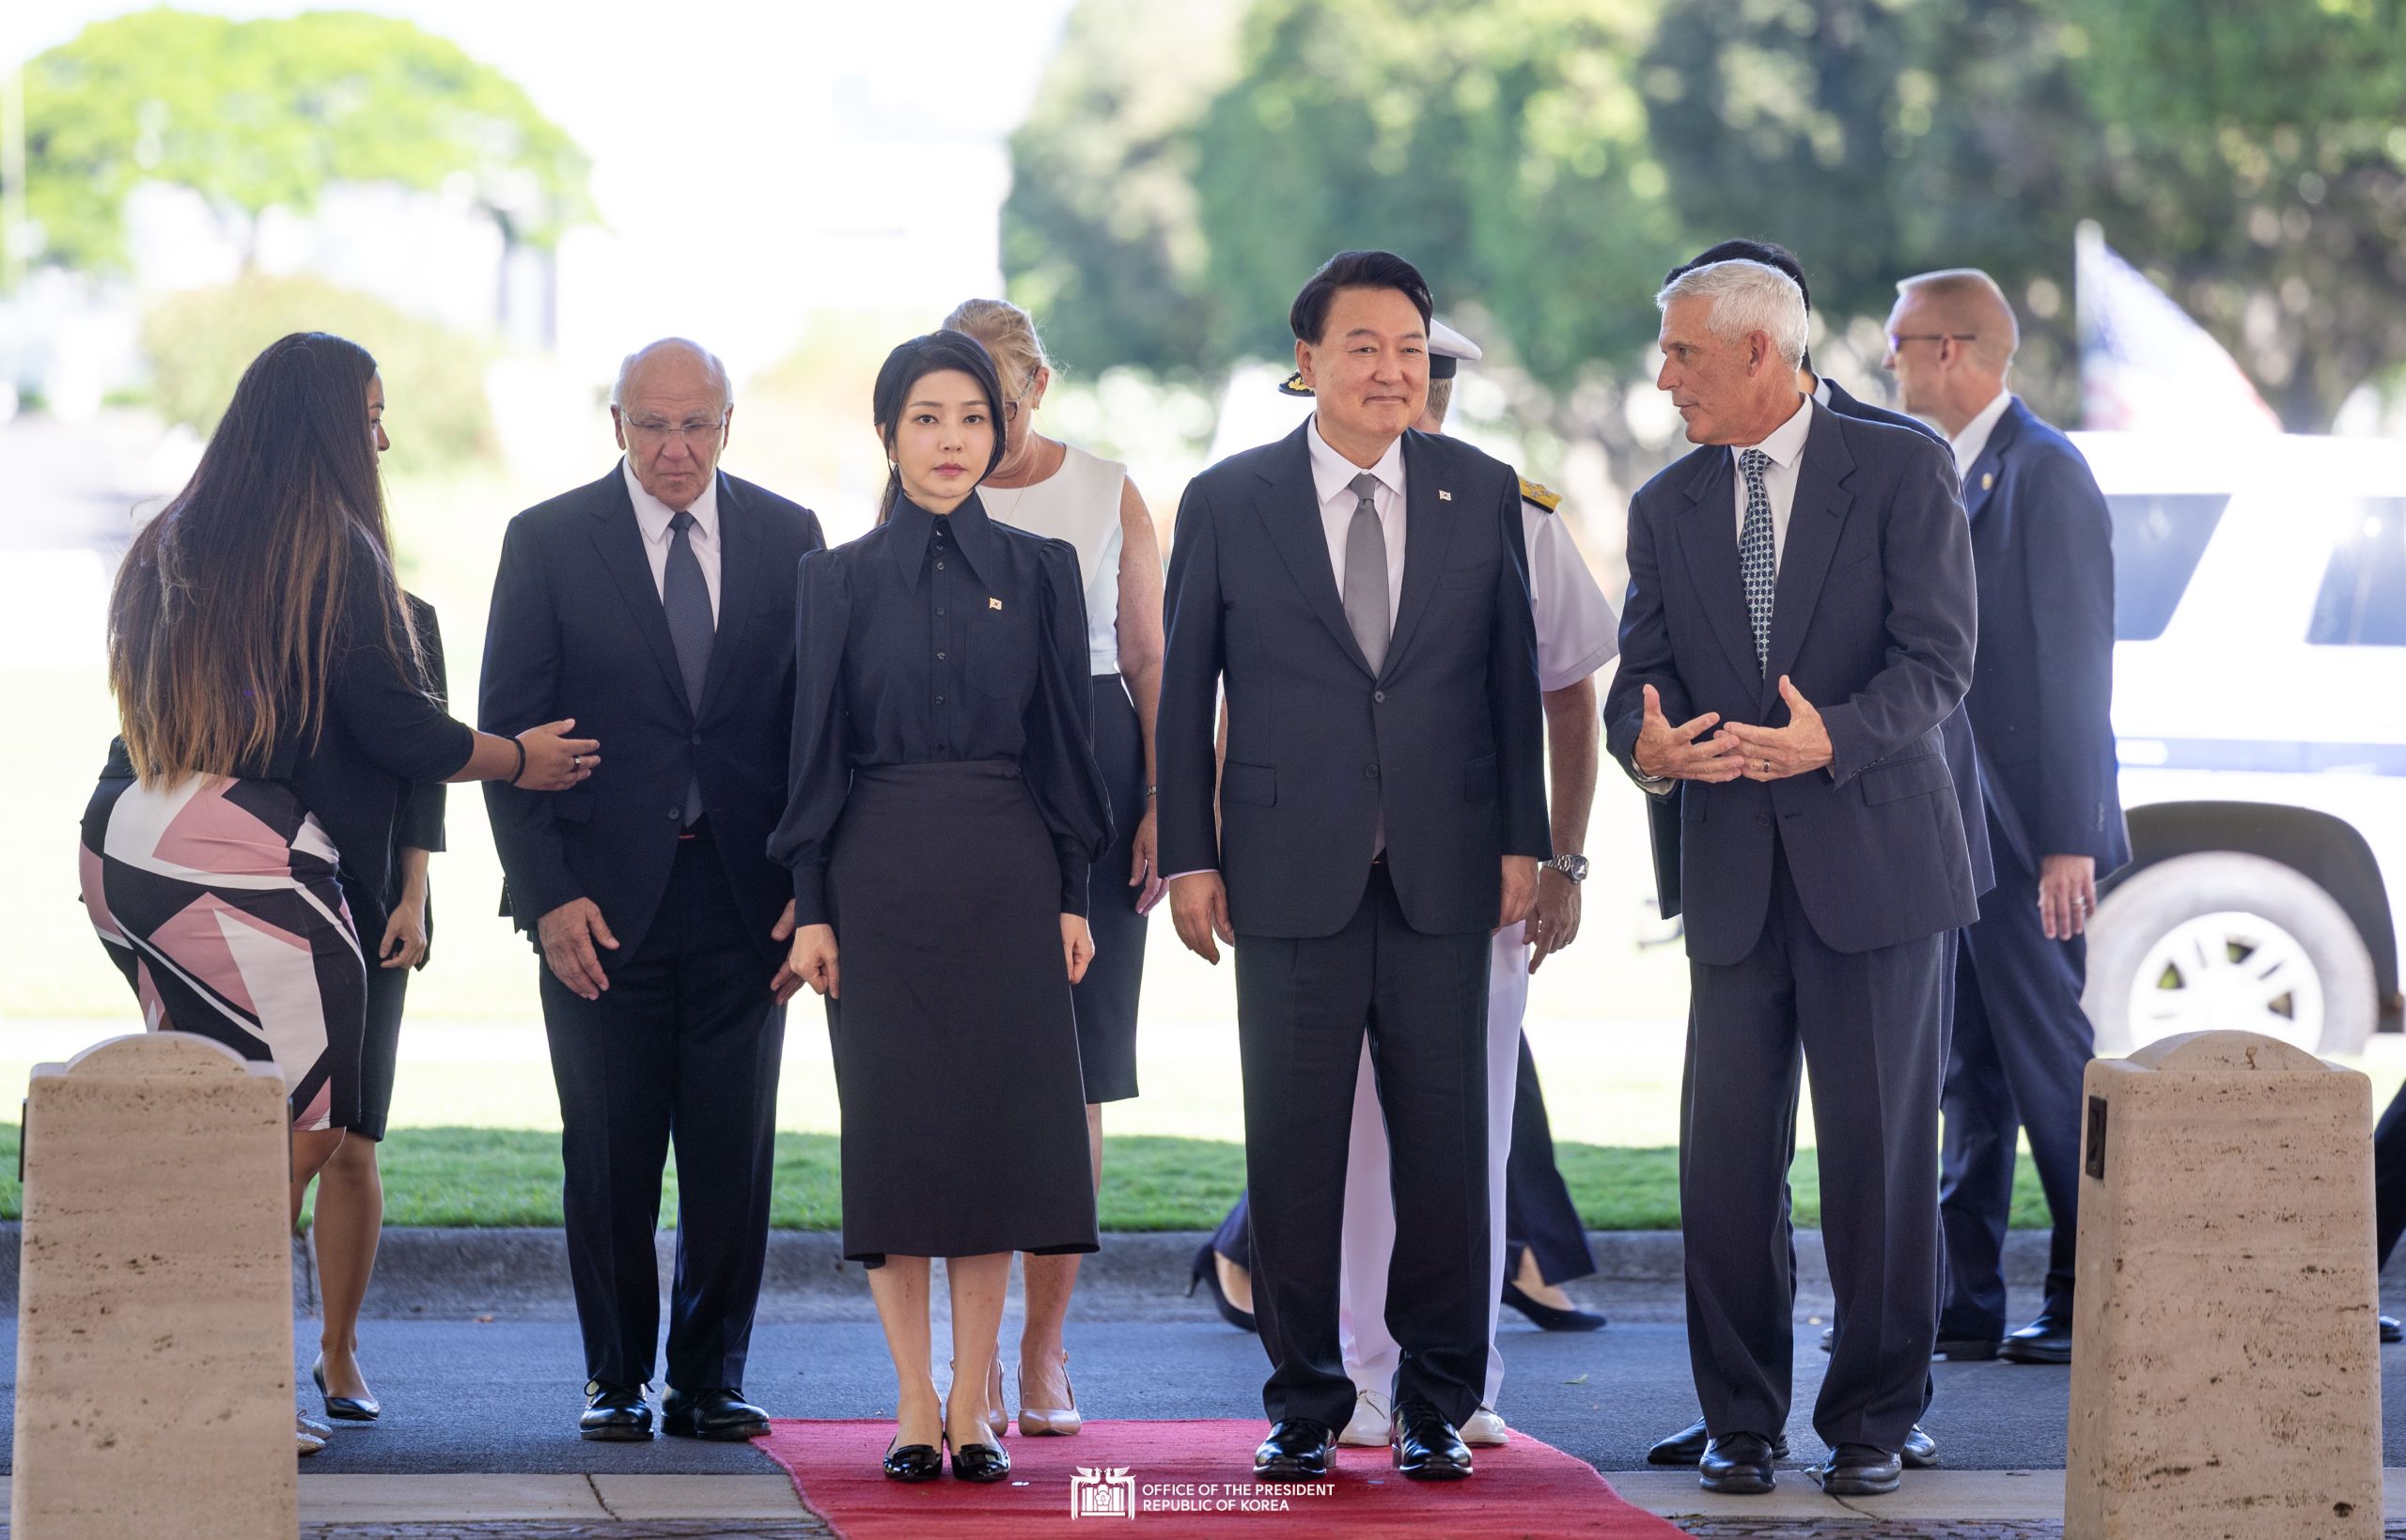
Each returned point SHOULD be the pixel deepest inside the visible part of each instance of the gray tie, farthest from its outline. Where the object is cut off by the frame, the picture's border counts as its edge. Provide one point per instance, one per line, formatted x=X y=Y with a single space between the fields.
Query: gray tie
x=1366 y=573
x=1757 y=554
x=686 y=598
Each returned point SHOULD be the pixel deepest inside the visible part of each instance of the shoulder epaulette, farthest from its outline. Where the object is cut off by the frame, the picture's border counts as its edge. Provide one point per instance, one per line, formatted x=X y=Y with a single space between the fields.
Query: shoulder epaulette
x=1544 y=497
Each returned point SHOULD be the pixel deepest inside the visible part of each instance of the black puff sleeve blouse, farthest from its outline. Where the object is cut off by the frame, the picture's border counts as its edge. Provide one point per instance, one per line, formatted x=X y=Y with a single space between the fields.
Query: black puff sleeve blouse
x=933 y=638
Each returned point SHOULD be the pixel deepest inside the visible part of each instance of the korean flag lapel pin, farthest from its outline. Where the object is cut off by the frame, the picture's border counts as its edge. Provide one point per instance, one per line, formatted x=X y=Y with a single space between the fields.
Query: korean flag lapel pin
x=994 y=604
x=1444 y=497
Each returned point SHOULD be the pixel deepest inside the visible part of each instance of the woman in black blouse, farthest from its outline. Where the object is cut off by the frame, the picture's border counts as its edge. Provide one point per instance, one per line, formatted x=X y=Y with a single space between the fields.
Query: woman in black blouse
x=945 y=808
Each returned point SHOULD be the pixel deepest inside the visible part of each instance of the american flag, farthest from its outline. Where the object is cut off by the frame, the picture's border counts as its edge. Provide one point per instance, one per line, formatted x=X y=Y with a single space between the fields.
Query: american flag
x=2145 y=365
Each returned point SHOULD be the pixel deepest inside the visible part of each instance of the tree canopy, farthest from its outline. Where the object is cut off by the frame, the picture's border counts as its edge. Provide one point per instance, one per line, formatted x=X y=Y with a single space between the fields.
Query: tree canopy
x=257 y=114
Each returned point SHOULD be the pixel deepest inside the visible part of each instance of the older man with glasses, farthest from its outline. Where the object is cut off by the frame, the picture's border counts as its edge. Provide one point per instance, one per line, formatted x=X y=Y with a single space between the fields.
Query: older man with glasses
x=660 y=598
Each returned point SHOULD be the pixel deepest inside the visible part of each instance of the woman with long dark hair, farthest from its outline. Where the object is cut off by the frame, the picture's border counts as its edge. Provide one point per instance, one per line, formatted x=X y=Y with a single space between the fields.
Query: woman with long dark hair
x=945 y=809
x=273 y=713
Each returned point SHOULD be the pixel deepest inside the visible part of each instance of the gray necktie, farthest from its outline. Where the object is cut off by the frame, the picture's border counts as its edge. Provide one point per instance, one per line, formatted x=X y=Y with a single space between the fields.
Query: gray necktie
x=1758 y=554
x=686 y=598
x=1366 y=573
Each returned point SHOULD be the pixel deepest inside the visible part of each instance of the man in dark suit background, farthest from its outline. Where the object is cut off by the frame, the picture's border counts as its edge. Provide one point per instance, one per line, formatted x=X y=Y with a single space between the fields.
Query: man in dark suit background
x=1381 y=812
x=1686 y=1447
x=660 y=600
x=1799 y=625
x=2041 y=710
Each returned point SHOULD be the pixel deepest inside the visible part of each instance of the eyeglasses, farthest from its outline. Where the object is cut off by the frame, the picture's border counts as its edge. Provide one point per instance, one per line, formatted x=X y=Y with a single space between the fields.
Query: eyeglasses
x=697 y=431
x=1898 y=340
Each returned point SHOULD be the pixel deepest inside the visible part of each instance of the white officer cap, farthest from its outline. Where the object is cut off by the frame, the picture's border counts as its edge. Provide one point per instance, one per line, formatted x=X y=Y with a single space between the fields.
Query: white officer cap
x=1449 y=349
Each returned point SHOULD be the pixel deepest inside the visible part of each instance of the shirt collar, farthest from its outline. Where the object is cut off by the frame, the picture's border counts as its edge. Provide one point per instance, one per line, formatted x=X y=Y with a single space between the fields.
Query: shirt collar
x=1332 y=473
x=912 y=530
x=653 y=515
x=1974 y=436
x=1784 y=442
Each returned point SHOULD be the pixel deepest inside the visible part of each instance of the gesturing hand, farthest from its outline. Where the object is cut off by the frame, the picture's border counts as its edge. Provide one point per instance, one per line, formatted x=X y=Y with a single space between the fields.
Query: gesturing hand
x=812 y=959
x=554 y=762
x=1673 y=754
x=568 y=934
x=1774 y=754
x=2067 y=894
x=1198 y=906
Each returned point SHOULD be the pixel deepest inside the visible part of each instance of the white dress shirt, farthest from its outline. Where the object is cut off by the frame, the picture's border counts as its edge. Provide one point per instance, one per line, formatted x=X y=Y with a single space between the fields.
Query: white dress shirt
x=1333 y=479
x=652 y=517
x=1974 y=436
x=1786 y=446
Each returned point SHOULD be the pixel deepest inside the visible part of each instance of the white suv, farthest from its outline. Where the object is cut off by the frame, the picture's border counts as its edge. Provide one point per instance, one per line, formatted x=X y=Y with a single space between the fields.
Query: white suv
x=2259 y=701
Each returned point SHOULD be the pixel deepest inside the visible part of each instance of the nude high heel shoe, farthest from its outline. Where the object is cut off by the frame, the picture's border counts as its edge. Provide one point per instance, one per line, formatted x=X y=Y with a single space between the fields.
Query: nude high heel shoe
x=1036 y=1421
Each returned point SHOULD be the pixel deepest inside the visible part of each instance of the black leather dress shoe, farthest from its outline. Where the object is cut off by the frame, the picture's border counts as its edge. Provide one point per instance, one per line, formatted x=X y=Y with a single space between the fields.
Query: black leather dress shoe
x=1859 y=1471
x=615 y=1413
x=1423 y=1445
x=2391 y=1330
x=1686 y=1446
x=1920 y=1451
x=914 y=1462
x=2046 y=1339
x=1296 y=1450
x=722 y=1414
x=1546 y=1316
x=981 y=1463
x=1736 y=1464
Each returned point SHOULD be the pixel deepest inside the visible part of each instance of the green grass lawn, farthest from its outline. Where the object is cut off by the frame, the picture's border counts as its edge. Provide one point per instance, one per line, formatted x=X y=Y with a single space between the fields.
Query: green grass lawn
x=505 y=1176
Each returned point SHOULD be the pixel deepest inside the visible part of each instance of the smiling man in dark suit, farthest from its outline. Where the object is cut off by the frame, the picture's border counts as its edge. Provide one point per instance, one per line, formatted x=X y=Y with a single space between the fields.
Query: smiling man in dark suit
x=1362 y=590
x=2042 y=709
x=660 y=600
x=1799 y=624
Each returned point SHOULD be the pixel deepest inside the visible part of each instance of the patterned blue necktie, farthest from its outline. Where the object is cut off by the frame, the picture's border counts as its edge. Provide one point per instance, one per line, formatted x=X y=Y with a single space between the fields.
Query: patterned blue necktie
x=1757 y=556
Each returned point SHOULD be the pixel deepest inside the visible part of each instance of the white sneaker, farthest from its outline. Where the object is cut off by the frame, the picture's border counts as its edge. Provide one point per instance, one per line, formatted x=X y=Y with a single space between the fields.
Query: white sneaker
x=1486 y=1430
x=1371 y=1422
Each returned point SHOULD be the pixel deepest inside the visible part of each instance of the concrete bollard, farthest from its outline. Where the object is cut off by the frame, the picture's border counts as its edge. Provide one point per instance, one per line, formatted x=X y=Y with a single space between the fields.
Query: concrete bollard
x=2225 y=1373
x=154 y=1317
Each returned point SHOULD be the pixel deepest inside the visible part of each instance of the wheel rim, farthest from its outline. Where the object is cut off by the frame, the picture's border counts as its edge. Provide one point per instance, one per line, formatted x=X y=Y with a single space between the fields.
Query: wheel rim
x=2229 y=971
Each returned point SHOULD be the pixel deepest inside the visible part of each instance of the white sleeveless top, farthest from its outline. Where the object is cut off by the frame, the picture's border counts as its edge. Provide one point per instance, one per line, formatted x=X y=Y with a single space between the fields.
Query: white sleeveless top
x=1079 y=504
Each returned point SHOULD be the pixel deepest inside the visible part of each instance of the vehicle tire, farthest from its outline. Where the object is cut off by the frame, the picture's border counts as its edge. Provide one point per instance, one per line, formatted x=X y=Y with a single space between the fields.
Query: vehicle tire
x=2221 y=939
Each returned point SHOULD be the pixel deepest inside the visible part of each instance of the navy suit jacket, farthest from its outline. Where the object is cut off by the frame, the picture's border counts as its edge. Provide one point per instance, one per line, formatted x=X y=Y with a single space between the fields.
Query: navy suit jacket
x=2042 y=699
x=577 y=630
x=1444 y=741
x=1873 y=620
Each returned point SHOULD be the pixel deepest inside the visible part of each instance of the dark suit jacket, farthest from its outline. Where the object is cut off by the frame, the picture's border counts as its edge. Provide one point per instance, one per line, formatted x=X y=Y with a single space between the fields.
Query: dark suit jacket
x=1955 y=732
x=1873 y=620
x=1446 y=741
x=577 y=630
x=2043 y=698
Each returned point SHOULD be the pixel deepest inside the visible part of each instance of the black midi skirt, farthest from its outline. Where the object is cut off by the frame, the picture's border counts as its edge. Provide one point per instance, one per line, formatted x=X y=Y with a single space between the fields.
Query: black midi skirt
x=1106 y=997
x=956 y=1047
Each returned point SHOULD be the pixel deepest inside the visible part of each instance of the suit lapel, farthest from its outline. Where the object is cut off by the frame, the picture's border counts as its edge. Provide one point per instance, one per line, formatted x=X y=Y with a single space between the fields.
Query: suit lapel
x=1289 y=510
x=1981 y=479
x=1814 y=522
x=619 y=539
x=1427 y=532
x=739 y=582
x=1707 y=535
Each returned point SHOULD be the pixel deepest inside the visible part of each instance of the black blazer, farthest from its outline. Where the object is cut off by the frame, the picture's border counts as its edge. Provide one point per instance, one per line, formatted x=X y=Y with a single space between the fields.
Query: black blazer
x=1873 y=620
x=2042 y=699
x=1446 y=741
x=577 y=630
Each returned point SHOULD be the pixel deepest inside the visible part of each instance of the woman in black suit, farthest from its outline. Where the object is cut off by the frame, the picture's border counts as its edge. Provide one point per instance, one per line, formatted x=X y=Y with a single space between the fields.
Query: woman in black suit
x=945 y=809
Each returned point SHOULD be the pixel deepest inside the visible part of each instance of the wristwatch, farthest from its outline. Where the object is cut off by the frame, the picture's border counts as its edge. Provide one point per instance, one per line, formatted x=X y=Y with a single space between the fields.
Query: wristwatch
x=1573 y=868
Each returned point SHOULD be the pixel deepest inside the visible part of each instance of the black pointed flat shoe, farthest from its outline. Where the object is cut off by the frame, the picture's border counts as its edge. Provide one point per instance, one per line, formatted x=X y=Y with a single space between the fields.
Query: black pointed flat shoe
x=1206 y=1271
x=344 y=1408
x=1547 y=1316
x=913 y=1462
x=981 y=1463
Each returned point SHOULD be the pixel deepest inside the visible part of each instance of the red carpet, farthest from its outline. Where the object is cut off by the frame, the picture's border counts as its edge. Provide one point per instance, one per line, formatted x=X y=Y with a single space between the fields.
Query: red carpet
x=1526 y=1488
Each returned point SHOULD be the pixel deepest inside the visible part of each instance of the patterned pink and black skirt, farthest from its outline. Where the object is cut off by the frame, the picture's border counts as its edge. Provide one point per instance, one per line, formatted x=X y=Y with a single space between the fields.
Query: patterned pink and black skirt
x=217 y=899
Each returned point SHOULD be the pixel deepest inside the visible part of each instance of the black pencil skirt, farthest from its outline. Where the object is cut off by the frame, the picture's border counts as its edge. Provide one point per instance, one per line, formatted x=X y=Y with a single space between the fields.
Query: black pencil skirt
x=956 y=1049
x=1106 y=997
